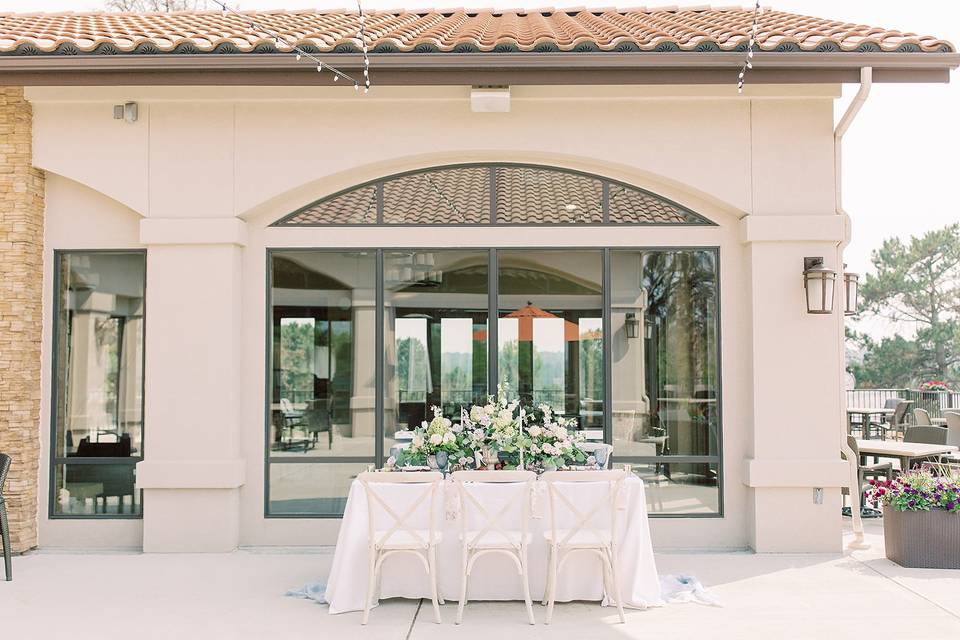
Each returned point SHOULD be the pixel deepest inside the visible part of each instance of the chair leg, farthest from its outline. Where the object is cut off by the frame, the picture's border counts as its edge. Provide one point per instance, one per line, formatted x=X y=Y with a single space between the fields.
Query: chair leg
x=463 y=585
x=608 y=554
x=432 y=564
x=525 y=576
x=546 y=585
x=371 y=584
x=552 y=587
x=5 y=534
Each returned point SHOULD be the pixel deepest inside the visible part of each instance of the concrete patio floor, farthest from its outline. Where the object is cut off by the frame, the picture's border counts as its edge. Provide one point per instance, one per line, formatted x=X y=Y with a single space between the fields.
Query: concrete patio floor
x=240 y=595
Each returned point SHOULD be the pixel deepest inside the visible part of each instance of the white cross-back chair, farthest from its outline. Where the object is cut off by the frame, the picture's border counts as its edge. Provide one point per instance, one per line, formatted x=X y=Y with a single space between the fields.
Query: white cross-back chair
x=405 y=532
x=583 y=528
x=494 y=526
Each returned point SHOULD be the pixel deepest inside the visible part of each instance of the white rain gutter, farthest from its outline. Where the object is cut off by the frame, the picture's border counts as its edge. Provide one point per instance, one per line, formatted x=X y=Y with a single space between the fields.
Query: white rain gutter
x=866 y=82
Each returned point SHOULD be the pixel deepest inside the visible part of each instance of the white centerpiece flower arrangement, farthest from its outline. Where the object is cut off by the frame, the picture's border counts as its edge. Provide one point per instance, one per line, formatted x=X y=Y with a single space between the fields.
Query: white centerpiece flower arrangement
x=436 y=441
x=552 y=441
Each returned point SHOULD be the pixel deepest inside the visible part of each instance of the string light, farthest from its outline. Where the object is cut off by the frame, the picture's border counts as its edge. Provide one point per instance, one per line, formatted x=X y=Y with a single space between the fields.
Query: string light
x=748 y=63
x=300 y=53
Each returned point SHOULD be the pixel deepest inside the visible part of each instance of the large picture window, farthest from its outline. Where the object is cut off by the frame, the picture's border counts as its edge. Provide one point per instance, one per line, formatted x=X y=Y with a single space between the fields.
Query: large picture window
x=366 y=342
x=97 y=410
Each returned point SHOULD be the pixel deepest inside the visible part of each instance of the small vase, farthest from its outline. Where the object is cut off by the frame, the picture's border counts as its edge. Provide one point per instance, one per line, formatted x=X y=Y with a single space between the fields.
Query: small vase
x=432 y=463
x=443 y=459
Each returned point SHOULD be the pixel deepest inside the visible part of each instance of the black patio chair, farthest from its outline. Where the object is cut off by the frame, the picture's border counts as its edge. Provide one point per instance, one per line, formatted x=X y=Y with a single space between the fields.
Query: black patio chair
x=898 y=421
x=4 y=525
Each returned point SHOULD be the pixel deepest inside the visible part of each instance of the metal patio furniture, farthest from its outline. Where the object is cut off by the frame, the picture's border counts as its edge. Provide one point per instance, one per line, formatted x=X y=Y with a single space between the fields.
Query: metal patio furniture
x=317 y=420
x=921 y=418
x=502 y=527
x=866 y=472
x=865 y=414
x=895 y=422
x=5 y=462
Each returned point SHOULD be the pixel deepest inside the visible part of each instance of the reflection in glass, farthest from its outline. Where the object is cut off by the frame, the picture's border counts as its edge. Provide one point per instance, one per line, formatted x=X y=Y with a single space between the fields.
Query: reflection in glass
x=678 y=489
x=550 y=331
x=665 y=377
x=311 y=488
x=322 y=388
x=96 y=489
x=435 y=336
x=99 y=376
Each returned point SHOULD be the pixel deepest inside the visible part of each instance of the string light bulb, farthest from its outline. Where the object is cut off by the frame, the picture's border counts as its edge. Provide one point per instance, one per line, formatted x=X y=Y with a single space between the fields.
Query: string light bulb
x=748 y=62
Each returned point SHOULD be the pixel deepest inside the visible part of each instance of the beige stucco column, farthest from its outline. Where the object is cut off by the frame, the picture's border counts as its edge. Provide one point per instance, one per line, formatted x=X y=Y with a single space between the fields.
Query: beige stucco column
x=192 y=471
x=794 y=450
x=21 y=279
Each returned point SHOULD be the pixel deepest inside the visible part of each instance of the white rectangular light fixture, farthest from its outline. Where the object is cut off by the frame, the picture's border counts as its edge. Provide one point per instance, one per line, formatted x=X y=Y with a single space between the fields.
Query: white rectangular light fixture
x=490 y=99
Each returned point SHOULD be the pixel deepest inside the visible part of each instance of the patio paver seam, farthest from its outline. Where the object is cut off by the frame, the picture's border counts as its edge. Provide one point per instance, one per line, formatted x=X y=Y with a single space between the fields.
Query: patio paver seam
x=413 y=622
x=867 y=564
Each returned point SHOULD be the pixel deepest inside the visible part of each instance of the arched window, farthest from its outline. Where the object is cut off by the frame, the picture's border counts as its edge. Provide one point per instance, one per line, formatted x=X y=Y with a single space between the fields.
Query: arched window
x=493 y=194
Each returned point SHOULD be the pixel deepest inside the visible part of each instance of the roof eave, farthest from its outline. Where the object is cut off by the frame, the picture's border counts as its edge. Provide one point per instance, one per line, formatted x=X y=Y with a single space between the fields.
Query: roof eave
x=478 y=68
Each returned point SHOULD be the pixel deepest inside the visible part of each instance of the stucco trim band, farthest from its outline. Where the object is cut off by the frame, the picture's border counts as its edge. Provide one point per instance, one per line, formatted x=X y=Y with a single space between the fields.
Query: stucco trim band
x=181 y=231
x=795 y=473
x=190 y=474
x=821 y=228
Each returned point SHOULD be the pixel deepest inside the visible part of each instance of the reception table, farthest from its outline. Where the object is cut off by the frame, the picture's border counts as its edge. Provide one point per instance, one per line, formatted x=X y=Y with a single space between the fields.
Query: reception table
x=495 y=577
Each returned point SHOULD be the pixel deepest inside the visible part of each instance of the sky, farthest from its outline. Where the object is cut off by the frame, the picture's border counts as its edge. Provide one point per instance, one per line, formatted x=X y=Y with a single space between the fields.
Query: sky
x=900 y=169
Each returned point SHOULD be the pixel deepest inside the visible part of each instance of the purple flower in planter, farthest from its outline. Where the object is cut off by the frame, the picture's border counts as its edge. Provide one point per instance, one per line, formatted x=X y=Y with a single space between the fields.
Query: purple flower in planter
x=951 y=506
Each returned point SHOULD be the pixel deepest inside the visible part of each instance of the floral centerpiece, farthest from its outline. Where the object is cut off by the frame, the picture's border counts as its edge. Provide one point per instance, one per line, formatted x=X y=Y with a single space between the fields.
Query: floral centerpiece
x=434 y=443
x=921 y=519
x=501 y=433
x=551 y=440
x=934 y=385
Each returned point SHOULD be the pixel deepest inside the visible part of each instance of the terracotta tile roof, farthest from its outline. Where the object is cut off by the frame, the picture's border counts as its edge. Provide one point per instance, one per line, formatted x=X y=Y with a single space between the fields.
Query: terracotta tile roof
x=458 y=30
x=522 y=195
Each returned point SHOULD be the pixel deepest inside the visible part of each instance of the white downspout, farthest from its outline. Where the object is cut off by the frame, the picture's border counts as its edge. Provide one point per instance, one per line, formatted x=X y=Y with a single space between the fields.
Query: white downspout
x=866 y=81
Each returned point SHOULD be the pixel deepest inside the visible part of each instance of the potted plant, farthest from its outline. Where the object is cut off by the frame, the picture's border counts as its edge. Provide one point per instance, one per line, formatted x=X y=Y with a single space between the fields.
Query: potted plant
x=921 y=519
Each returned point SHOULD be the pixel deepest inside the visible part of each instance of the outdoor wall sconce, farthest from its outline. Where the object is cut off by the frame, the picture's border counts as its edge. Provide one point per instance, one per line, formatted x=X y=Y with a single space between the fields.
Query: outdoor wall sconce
x=128 y=112
x=632 y=325
x=851 y=286
x=818 y=281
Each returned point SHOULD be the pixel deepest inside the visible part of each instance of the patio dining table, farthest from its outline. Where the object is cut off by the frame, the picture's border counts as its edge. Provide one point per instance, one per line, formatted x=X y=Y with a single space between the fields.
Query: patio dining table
x=905 y=452
x=865 y=414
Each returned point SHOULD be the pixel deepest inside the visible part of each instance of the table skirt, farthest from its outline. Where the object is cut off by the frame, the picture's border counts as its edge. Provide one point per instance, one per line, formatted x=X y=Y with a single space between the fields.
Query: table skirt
x=494 y=576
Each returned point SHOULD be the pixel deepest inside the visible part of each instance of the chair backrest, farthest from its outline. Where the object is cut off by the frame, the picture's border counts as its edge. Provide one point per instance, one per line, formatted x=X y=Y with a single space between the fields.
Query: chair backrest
x=494 y=504
x=900 y=413
x=926 y=435
x=921 y=417
x=953 y=427
x=318 y=418
x=891 y=403
x=599 y=450
x=285 y=405
x=852 y=443
x=946 y=469
x=5 y=462
x=598 y=501
x=388 y=518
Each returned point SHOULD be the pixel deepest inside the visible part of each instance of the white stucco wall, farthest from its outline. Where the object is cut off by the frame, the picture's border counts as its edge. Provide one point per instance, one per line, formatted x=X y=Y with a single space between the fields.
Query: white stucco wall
x=201 y=175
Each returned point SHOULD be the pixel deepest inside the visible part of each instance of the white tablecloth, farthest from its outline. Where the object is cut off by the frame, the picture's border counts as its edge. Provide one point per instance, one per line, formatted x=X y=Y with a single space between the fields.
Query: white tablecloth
x=495 y=577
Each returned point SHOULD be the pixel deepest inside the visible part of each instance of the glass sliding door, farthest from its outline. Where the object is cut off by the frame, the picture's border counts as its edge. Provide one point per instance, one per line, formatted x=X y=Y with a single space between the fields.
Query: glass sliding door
x=665 y=383
x=550 y=331
x=435 y=336
x=323 y=378
x=98 y=385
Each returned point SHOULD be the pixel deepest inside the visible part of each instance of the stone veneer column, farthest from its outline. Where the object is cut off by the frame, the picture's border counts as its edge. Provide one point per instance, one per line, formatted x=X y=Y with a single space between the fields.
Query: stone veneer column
x=21 y=297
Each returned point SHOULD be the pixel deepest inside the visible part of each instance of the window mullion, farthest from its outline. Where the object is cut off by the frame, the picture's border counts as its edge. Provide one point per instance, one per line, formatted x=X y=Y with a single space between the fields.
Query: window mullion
x=493 y=345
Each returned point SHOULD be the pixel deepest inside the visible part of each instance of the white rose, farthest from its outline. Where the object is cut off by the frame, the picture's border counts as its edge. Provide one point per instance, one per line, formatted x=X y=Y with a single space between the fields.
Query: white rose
x=488 y=409
x=534 y=431
x=448 y=437
x=436 y=439
x=447 y=422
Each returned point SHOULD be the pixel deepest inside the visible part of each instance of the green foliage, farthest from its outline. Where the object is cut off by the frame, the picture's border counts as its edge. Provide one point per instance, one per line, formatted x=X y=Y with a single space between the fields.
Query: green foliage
x=919 y=282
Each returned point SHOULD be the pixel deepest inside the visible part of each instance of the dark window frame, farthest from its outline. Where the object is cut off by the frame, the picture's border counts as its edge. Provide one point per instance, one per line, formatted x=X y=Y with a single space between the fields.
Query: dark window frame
x=55 y=461
x=492 y=363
